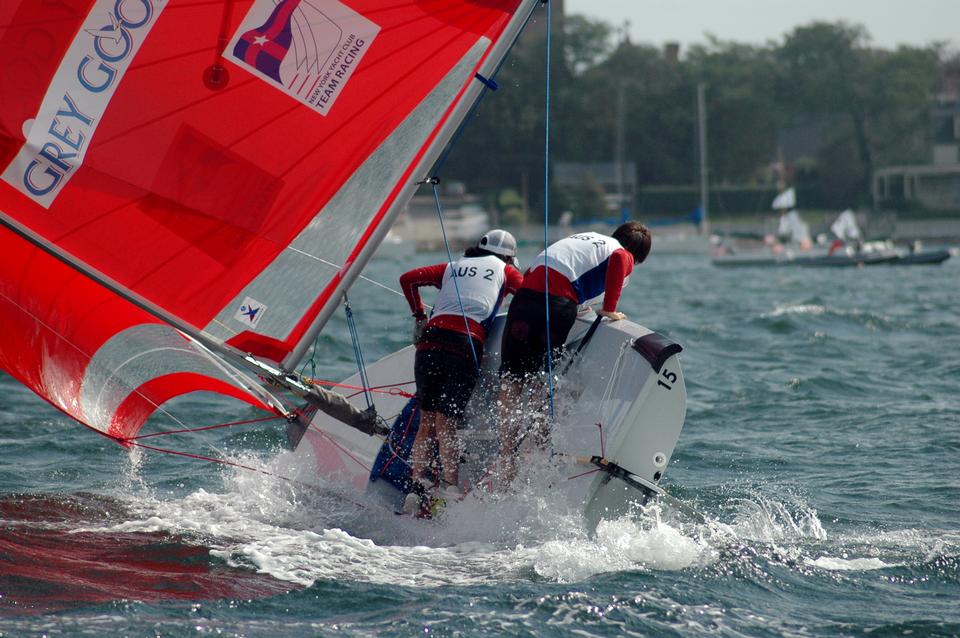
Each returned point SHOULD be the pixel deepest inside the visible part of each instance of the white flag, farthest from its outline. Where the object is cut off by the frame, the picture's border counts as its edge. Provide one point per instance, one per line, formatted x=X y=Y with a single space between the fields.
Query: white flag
x=785 y=200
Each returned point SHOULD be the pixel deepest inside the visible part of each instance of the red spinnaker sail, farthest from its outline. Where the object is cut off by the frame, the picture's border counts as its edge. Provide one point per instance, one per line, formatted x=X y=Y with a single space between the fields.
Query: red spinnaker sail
x=220 y=169
x=228 y=163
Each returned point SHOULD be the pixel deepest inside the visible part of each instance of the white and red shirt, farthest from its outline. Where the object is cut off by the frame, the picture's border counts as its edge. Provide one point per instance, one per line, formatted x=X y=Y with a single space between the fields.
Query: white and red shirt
x=582 y=268
x=480 y=285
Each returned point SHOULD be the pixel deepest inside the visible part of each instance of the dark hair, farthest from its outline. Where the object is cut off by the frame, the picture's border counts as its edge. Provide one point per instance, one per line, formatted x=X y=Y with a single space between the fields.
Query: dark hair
x=476 y=251
x=635 y=238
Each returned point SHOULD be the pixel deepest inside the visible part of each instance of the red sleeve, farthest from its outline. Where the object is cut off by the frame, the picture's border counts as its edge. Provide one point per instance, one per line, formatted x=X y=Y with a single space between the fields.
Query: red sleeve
x=514 y=279
x=619 y=266
x=411 y=280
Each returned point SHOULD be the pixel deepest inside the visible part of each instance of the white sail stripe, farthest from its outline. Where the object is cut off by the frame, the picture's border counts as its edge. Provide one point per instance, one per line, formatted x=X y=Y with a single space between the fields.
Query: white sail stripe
x=56 y=397
x=291 y=283
x=133 y=357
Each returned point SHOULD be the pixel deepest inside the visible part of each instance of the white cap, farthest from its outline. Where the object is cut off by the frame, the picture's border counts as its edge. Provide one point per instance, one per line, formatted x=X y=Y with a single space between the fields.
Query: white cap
x=499 y=242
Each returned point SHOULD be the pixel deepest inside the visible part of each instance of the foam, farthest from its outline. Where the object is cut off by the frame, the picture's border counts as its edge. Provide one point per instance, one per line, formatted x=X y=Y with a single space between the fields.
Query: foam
x=276 y=527
x=853 y=564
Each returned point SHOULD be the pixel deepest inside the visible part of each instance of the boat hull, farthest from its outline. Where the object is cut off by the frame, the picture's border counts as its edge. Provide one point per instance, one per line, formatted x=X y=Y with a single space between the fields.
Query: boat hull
x=808 y=261
x=892 y=258
x=622 y=398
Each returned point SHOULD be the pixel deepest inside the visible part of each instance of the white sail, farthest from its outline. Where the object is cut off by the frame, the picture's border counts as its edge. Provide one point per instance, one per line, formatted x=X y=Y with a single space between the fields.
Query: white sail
x=845 y=226
x=793 y=228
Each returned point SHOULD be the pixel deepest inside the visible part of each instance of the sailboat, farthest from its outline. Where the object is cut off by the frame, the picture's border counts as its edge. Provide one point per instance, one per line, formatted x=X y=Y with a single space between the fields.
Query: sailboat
x=848 y=247
x=189 y=190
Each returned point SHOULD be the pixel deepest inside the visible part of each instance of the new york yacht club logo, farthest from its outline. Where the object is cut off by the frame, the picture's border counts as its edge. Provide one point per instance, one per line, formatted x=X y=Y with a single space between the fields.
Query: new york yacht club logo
x=250 y=312
x=307 y=49
x=58 y=138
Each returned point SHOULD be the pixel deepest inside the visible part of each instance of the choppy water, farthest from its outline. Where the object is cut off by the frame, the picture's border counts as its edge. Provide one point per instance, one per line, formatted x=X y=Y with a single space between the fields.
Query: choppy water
x=823 y=438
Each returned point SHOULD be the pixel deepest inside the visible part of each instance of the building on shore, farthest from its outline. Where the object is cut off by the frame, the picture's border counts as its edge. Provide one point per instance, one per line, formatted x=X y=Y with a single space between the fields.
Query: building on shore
x=935 y=186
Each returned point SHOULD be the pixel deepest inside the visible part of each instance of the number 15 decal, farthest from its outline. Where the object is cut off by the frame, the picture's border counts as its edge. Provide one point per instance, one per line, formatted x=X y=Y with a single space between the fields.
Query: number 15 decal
x=667 y=379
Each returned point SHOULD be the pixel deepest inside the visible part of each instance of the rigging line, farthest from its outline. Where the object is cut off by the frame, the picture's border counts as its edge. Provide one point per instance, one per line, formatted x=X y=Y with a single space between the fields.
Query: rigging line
x=335 y=444
x=489 y=83
x=393 y=390
x=202 y=428
x=456 y=286
x=223 y=37
x=201 y=457
x=237 y=375
x=311 y=360
x=546 y=213
x=587 y=473
x=357 y=352
x=338 y=267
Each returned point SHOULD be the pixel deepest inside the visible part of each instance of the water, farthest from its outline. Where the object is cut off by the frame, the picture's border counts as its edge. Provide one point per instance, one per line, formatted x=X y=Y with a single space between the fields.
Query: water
x=822 y=438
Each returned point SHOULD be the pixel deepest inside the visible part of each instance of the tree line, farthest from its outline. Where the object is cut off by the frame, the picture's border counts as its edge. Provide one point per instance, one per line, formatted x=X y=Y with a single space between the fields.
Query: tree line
x=865 y=107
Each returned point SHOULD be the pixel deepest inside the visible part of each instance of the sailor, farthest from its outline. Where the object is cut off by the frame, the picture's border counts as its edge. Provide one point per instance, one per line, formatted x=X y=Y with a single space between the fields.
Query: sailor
x=450 y=350
x=575 y=271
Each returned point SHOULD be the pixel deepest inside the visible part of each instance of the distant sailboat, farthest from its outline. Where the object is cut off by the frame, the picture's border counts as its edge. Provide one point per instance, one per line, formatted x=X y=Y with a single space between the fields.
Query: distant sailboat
x=847 y=249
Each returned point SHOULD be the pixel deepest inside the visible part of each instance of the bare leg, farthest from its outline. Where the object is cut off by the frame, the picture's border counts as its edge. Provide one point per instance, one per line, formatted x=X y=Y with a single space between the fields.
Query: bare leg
x=422 y=452
x=446 y=429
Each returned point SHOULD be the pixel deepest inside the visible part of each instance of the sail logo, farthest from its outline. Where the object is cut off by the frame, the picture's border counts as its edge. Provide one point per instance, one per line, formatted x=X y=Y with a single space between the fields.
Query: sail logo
x=308 y=49
x=58 y=138
x=250 y=312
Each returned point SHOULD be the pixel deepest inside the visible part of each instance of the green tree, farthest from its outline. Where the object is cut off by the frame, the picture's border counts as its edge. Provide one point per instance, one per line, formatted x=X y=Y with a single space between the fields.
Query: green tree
x=830 y=69
x=743 y=113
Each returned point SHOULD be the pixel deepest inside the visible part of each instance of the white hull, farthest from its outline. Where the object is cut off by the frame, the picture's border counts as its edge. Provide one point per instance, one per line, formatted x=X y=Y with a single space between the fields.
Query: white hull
x=612 y=383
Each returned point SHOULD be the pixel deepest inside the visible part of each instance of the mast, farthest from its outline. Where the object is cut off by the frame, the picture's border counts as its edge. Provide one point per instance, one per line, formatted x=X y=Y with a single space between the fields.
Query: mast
x=618 y=155
x=702 y=135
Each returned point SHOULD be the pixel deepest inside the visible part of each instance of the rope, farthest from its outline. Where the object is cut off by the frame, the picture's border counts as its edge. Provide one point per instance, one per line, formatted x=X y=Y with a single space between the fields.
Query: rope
x=587 y=473
x=603 y=455
x=489 y=84
x=200 y=457
x=339 y=266
x=392 y=389
x=546 y=215
x=201 y=429
x=311 y=361
x=453 y=276
x=357 y=352
x=340 y=447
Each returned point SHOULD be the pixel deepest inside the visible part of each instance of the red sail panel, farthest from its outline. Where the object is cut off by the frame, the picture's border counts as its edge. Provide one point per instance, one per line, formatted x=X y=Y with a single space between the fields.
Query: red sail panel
x=90 y=353
x=128 y=143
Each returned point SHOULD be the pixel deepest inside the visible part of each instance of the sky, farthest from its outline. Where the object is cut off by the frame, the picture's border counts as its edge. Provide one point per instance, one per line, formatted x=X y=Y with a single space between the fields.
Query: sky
x=889 y=22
